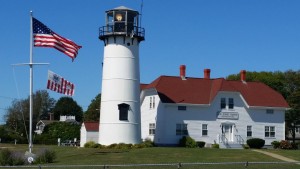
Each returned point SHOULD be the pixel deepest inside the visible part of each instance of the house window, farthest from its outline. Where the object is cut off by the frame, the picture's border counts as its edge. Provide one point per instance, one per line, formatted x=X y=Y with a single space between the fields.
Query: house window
x=249 y=131
x=270 y=111
x=123 y=111
x=151 y=128
x=181 y=129
x=230 y=103
x=152 y=102
x=223 y=103
x=269 y=131
x=297 y=130
x=204 y=130
x=181 y=107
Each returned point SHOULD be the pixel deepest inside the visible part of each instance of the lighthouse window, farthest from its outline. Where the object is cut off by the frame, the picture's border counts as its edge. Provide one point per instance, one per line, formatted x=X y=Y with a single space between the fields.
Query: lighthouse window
x=119 y=22
x=123 y=111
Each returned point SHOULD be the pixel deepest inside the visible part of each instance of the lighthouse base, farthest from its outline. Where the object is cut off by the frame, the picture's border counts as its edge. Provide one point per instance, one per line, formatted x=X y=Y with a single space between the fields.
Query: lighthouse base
x=111 y=133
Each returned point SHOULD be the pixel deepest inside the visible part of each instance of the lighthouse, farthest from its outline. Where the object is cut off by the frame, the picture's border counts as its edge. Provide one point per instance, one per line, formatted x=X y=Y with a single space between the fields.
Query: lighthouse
x=120 y=119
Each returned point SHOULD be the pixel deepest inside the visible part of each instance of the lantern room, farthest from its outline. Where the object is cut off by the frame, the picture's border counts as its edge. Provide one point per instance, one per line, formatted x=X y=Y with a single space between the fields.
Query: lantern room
x=122 y=21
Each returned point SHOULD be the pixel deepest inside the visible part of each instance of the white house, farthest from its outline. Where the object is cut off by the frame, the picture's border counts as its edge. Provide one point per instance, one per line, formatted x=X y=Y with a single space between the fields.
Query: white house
x=89 y=131
x=211 y=110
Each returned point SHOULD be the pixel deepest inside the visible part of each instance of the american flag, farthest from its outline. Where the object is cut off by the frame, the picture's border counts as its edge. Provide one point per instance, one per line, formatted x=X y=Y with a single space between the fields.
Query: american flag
x=59 y=84
x=45 y=37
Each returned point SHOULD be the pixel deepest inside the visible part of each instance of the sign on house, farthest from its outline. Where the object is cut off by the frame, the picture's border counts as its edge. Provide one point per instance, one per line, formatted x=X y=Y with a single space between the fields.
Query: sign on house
x=228 y=115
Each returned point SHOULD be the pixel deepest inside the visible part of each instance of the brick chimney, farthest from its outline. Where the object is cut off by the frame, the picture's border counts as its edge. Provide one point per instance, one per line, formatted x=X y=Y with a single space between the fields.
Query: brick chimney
x=243 y=75
x=182 y=72
x=206 y=73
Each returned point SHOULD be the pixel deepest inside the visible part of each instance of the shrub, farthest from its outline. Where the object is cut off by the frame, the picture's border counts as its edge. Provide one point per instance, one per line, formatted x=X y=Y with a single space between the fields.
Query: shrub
x=200 y=144
x=10 y=158
x=89 y=144
x=284 y=144
x=112 y=146
x=295 y=145
x=256 y=143
x=188 y=142
x=245 y=146
x=215 y=146
x=148 y=143
x=275 y=144
x=45 y=156
x=121 y=146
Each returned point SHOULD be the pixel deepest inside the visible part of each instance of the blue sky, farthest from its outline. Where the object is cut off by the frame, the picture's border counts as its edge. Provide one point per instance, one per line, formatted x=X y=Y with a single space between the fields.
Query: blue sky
x=223 y=35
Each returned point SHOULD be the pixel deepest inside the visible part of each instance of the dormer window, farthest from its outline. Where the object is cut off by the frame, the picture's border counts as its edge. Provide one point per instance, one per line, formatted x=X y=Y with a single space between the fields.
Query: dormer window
x=223 y=103
x=230 y=103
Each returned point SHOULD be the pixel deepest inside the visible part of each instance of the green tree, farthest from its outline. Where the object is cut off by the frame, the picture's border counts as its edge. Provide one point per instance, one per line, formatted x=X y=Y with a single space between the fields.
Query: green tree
x=68 y=107
x=4 y=134
x=292 y=86
x=63 y=130
x=93 y=111
x=17 y=115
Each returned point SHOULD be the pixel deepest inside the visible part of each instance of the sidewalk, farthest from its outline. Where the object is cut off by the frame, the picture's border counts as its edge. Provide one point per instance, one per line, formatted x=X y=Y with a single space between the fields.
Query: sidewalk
x=280 y=157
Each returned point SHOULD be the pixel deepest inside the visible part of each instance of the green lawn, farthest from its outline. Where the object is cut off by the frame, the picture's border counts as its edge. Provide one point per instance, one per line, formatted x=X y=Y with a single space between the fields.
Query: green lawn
x=160 y=155
x=293 y=154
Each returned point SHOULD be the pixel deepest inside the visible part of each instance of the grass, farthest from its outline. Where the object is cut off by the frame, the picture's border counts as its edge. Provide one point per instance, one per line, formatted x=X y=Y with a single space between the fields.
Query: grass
x=161 y=155
x=293 y=154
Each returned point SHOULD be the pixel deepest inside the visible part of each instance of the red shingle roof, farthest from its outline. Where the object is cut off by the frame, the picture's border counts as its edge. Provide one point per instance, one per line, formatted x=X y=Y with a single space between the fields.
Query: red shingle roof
x=173 y=89
x=91 y=126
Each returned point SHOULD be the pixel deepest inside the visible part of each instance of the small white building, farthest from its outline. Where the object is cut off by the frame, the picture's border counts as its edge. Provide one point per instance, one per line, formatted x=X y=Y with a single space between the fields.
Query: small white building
x=89 y=131
x=211 y=110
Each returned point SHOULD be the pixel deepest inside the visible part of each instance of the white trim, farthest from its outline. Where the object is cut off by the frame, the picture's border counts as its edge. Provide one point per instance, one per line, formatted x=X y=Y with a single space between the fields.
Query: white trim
x=186 y=104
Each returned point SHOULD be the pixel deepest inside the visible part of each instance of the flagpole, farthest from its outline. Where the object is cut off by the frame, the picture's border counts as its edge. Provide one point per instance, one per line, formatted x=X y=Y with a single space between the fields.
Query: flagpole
x=30 y=87
x=31 y=64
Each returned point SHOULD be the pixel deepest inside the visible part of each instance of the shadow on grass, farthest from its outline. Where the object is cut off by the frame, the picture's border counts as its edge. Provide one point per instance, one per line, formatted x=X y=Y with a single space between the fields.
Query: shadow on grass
x=103 y=152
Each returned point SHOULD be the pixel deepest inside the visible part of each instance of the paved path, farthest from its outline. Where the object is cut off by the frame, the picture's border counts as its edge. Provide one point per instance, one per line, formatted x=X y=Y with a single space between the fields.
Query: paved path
x=280 y=157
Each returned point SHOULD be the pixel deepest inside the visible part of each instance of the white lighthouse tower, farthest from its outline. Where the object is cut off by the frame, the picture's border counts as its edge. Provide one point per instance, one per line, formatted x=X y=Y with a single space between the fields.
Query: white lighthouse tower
x=120 y=120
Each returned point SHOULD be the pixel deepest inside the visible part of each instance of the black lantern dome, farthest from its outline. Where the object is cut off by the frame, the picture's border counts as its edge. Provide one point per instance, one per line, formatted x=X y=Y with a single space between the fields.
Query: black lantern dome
x=122 y=21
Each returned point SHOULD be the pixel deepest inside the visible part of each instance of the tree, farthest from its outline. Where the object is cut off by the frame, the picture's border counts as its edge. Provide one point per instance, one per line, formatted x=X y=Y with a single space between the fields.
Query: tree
x=93 y=111
x=17 y=115
x=62 y=130
x=68 y=107
x=292 y=116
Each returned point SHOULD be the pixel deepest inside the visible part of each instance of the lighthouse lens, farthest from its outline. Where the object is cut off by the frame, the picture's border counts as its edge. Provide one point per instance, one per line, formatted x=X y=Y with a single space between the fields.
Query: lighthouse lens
x=119 y=17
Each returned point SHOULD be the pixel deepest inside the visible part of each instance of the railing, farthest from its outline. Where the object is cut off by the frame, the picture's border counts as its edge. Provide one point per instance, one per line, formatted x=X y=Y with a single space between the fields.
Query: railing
x=128 y=30
x=223 y=140
x=239 y=139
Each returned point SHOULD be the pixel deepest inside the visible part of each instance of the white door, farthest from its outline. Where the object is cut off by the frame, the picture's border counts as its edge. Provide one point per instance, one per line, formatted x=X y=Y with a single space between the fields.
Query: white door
x=227 y=131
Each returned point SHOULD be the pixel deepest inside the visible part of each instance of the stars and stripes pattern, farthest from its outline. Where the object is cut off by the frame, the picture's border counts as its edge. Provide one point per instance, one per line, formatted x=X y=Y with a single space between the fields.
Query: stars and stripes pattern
x=59 y=84
x=45 y=37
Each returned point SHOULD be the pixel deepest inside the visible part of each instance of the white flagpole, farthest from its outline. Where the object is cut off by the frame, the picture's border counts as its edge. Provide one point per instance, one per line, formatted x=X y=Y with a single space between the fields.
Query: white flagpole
x=31 y=87
x=31 y=64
